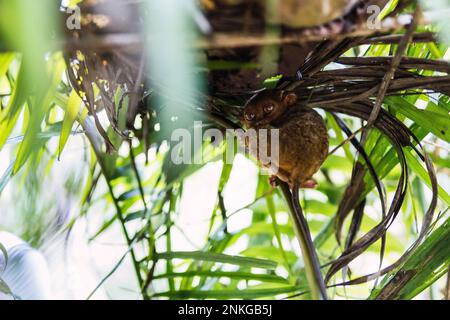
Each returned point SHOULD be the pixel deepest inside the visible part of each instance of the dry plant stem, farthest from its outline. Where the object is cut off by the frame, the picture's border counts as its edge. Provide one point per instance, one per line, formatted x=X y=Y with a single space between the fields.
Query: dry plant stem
x=382 y=91
x=390 y=74
x=134 y=41
x=396 y=38
x=312 y=265
x=426 y=225
x=406 y=63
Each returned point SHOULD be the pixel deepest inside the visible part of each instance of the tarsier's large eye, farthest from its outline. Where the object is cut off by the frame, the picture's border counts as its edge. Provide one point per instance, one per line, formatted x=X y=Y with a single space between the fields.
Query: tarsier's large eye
x=249 y=116
x=269 y=108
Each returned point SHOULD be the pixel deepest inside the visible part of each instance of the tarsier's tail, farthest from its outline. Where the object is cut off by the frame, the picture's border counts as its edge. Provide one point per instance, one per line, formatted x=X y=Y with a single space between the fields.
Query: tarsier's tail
x=310 y=258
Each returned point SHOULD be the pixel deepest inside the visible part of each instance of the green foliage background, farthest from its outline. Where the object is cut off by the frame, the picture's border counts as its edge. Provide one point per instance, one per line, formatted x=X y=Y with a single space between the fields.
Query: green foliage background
x=41 y=116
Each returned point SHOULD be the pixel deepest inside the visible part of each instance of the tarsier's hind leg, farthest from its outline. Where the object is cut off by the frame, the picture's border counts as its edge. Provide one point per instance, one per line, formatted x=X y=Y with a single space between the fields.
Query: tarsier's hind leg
x=283 y=175
x=304 y=179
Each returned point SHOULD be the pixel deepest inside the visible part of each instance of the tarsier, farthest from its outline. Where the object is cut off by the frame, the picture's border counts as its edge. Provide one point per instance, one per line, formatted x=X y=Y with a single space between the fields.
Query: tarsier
x=303 y=147
x=303 y=138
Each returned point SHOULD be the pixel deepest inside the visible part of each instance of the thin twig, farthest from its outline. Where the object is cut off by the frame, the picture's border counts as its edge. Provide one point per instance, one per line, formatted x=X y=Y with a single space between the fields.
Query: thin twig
x=396 y=38
x=390 y=74
x=345 y=141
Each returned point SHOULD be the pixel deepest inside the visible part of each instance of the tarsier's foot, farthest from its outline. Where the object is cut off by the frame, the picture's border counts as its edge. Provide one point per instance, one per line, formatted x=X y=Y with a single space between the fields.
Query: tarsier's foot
x=273 y=180
x=309 y=184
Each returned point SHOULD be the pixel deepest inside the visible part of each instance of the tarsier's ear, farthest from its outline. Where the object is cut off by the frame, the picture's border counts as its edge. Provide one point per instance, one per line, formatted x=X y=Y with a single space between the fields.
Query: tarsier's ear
x=288 y=97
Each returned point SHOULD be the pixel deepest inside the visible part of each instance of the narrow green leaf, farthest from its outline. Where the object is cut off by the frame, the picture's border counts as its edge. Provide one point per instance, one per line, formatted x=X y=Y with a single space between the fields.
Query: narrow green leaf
x=414 y=164
x=226 y=171
x=273 y=252
x=276 y=230
x=333 y=124
x=218 y=257
x=429 y=263
x=72 y=109
x=104 y=227
x=53 y=130
x=6 y=177
x=136 y=215
x=5 y=255
x=42 y=105
x=230 y=294
x=325 y=233
x=232 y=275
x=9 y=116
x=5 y=61
x=4 y=287
x=434 y=122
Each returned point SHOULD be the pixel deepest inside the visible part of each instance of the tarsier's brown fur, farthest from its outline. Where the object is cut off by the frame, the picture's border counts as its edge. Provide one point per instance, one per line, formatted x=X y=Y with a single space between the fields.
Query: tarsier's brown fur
x=303 y=138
